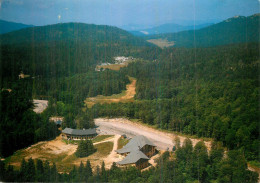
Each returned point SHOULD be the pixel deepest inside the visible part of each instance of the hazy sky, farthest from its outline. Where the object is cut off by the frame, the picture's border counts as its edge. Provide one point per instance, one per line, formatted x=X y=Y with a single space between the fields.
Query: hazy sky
x=123 y=12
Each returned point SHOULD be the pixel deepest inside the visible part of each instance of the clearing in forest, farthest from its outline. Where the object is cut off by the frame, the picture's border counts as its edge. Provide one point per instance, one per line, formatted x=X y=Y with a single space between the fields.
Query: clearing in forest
x=162 y=43
x=61 y=153
x=126 y=96
x=115 y=67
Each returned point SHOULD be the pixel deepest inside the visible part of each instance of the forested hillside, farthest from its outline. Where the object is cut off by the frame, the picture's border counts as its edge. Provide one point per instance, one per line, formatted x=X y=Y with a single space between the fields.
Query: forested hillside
x=65 y=49
x=238 y=29
x=207 y=92
x=20 y=126
x=95 y=35
x=59 y=62
x=6 y=26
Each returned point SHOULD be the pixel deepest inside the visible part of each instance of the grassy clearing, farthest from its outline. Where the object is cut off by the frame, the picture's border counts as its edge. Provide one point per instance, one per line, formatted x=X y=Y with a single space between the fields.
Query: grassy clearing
x=103 y=149
x=60 y=153
x=16 y=157
x=162 y=43
x=115 y=67
x=76 y=142
x=100 y=138
x=125 y=96
x=122 y=142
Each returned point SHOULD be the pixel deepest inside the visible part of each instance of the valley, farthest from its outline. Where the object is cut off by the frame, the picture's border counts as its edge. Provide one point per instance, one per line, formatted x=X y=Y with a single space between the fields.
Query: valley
x=182 y=106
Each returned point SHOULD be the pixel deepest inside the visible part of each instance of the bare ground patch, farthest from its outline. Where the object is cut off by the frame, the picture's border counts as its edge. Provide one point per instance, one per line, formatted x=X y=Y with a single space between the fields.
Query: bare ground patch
x=62 y=154
x=162 y=43
x=163 y=140
x=125 y=96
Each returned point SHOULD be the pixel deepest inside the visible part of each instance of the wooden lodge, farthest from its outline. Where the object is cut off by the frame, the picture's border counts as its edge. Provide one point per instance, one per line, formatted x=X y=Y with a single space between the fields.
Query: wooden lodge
x=135 y=158
x=75 y=134
x=137 y=152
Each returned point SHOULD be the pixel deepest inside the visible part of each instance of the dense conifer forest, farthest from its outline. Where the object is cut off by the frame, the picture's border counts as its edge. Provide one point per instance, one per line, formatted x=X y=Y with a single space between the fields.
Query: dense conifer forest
x=241 y=29
x=187 y=164
x=208 y=92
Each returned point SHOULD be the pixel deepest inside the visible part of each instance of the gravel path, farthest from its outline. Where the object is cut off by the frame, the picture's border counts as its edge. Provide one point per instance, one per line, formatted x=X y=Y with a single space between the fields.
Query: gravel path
x=113 y=156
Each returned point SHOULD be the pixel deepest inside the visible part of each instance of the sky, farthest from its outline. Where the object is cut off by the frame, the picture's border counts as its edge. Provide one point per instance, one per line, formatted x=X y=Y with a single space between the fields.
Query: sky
x=125 y=12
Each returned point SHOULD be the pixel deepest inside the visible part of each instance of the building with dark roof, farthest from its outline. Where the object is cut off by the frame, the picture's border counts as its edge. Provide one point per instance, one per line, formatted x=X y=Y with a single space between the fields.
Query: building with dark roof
x=137 y=152
x=75 y=134
x=138 y=143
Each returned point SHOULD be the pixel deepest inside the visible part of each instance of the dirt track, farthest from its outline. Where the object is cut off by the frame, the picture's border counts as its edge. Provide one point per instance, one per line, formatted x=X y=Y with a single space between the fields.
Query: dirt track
x=162 y=140
x=113 y=156
x=123 y=97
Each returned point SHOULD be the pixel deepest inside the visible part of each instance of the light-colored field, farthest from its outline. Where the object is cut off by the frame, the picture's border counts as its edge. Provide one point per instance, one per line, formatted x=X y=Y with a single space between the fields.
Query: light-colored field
x=115 y=67
x=162 y=43
x=40 y=105
x=125 y=96
x=62 y=154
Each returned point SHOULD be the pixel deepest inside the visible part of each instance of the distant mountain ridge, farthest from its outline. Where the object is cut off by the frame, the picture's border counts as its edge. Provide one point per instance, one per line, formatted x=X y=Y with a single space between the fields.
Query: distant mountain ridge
x=238 y=29
x=6 y=26
x=72 y=32
x=65 y=49
x=168 y=28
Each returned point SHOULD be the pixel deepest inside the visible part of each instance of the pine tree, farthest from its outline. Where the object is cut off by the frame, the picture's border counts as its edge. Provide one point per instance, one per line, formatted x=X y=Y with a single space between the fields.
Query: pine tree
x=10 y=174
x=30 y=171
x=85 y=148
x=47 y=171
x=81 y=172
x=73 y=174
x=97 y=177
x=23 y=170
x=88 y=171
x=103 y=174
x=2 y=170
x=54 y=173
x=39 y=171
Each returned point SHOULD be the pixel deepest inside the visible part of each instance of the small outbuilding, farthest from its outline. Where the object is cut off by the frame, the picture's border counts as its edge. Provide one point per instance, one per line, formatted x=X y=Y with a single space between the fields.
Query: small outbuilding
x=76 y=134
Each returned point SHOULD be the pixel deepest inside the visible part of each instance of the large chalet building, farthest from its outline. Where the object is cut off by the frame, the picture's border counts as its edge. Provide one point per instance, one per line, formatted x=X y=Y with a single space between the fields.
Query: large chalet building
x=75 y=134
x=137 y=152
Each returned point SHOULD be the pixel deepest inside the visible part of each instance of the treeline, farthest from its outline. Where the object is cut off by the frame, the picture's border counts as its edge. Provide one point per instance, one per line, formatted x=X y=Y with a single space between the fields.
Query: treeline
x=196 y=164
x=66 y=95
x=20 y=126
x=211 y=92
x=186 y=164
x=78 y=87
